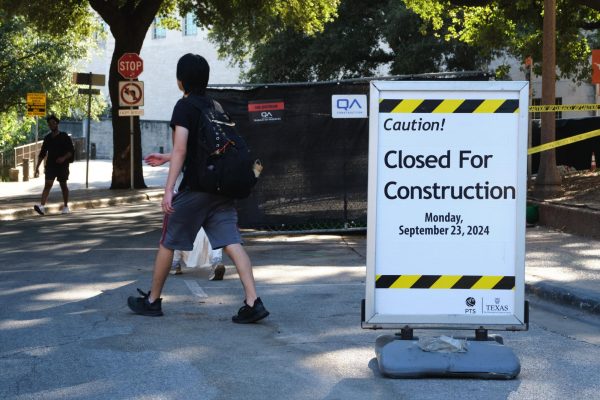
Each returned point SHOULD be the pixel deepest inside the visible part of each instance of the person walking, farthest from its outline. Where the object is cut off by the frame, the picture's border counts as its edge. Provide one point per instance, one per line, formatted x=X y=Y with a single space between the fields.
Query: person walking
x=202 y=255
x=58 y=151
x=189 y=209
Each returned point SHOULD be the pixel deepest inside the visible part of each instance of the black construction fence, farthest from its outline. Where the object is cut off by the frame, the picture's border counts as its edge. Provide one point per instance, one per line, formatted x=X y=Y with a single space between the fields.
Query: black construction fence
x=577 y=155
x=315 y=167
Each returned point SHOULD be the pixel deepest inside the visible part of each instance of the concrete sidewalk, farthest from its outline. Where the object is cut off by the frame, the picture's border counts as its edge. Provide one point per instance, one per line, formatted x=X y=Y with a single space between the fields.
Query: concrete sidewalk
x=560 y=267
x=17 y=198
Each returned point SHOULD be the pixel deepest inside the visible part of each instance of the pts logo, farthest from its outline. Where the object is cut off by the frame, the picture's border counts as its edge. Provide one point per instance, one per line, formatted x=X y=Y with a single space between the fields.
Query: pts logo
x=470 y=302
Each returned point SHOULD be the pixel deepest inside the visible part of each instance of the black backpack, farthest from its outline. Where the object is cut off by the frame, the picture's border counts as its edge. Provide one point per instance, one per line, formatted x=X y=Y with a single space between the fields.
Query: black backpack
x=220 y=158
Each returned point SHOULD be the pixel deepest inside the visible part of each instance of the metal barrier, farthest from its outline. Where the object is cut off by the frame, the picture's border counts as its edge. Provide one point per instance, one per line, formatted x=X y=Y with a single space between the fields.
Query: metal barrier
x=27 y=151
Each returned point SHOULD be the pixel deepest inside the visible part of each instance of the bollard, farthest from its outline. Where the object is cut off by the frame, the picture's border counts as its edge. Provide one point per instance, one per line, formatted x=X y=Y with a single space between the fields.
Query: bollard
x=13 y=174
x=25 y=169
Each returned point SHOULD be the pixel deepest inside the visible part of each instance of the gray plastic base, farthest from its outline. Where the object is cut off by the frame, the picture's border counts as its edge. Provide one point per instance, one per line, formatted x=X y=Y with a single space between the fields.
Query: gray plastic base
x=484 y=359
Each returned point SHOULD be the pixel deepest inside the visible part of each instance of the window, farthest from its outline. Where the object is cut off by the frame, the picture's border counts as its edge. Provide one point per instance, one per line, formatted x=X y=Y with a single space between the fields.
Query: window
x=189 y=25
x=537 y=102
x=158 y=32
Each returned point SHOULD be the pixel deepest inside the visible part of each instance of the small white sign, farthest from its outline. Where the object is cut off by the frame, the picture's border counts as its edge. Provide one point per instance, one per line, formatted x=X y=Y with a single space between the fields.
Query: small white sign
x=131 y=113
x=349 y=106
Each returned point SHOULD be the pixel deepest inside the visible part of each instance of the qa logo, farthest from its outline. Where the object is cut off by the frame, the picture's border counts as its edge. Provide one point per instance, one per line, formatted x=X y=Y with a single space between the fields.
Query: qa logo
x=349 y=106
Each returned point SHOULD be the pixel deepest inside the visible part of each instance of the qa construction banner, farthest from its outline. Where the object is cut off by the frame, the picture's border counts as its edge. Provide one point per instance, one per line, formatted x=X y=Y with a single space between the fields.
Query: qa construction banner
x=446 y=206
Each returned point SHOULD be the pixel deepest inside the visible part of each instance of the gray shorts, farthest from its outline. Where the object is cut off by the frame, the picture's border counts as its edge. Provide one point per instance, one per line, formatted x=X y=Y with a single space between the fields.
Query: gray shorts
x=216 y=214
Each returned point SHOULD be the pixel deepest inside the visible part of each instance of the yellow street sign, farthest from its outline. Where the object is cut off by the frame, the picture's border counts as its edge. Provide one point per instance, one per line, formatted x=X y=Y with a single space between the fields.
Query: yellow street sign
x=36 y=104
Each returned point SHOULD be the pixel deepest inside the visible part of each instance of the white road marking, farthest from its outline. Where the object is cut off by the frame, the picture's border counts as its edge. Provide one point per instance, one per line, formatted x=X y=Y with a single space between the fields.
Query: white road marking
x=195 y=288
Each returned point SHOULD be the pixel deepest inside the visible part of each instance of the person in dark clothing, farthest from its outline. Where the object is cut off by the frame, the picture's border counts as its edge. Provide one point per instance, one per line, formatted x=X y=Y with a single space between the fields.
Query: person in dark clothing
x=190 y=208
x=59 y=151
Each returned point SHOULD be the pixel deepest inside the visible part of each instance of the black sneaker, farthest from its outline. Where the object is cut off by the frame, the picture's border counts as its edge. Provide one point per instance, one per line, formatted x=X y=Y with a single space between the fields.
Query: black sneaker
x=141 y=306
x=247 y=314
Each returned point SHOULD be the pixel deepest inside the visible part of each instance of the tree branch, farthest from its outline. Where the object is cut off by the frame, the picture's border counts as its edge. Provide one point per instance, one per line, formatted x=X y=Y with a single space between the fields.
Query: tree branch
x=146 y=11
x=18 y=60
x=107 y=9
x=593 y=4
x=590 y=26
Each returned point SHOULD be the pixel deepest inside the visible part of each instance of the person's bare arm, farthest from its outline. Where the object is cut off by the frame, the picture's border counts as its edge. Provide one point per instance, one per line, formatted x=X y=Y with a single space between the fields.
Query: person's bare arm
x=177 y=158
x=156 y=159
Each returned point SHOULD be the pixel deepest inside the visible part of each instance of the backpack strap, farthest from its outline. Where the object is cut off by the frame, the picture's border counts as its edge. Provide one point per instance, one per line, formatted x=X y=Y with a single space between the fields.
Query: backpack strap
x=208 y=111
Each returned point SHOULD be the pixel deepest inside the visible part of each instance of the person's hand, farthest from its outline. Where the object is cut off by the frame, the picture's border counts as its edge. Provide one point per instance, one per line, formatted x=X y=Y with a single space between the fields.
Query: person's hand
x=167 y=200
x=36 y=173
x=156 y=159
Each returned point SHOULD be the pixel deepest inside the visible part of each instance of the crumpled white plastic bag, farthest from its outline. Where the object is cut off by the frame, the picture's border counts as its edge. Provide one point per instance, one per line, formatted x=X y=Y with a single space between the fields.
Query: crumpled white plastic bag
x=442 y=344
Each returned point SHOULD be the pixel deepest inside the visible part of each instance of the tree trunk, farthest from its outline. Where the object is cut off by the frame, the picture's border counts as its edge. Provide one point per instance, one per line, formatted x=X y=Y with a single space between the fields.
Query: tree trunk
x=129 y=21
x=548 y=181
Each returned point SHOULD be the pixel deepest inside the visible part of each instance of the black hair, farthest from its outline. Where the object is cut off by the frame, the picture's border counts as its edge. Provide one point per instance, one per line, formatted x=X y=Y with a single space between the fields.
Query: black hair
x=54 y=117
x=193 y=72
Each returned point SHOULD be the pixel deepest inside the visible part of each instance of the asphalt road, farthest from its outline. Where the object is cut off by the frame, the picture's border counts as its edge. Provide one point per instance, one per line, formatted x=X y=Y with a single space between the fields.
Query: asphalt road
x=66 y=333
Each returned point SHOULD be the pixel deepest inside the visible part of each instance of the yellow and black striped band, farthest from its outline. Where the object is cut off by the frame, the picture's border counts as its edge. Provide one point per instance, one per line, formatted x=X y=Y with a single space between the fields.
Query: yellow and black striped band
x=444 y=282
x=424 y=106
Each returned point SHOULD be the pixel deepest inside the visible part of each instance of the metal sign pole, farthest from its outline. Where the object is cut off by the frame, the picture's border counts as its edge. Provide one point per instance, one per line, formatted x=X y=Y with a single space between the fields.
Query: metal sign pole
x=89 y=120
x=36 y=152
x=529 y=127
x=597 y=98
x=131 y=145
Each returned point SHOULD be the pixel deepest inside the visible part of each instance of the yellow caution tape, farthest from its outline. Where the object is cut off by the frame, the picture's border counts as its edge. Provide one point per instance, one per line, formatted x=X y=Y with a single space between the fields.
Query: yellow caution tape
x=565 y=107
x=562 y=142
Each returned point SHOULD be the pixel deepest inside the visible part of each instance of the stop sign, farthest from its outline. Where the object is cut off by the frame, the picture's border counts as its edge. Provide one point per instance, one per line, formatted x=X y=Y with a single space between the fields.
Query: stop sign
x=130 y=65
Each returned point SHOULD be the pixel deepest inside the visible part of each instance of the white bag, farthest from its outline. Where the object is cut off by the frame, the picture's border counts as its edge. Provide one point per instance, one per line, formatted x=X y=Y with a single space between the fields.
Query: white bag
x=202 y=255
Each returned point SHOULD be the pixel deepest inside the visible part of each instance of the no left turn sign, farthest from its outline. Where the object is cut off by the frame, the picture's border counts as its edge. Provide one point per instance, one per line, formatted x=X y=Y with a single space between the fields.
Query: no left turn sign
x=131 y=94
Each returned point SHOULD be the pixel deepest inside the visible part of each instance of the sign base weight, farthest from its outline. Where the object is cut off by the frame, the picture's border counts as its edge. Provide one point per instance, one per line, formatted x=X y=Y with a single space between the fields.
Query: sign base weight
x=484 y=359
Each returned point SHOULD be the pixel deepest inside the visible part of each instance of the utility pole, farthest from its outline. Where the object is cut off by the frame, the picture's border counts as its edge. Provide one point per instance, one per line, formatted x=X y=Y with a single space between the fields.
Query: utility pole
x=548 y=183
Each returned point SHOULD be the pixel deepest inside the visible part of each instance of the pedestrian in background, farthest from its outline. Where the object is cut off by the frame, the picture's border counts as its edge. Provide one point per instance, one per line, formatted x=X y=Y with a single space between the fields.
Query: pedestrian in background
x=189 y=209
x=201 y=255
x=58 y=151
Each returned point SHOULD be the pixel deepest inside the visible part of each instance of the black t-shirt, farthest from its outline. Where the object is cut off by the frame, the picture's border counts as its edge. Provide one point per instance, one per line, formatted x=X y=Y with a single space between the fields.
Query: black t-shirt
x=56 y=147
x=188 y=116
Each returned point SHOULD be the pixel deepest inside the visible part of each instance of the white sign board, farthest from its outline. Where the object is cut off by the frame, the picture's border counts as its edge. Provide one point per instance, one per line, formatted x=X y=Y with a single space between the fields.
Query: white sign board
x=131 y=113
x=446 y=205
x=349 y=106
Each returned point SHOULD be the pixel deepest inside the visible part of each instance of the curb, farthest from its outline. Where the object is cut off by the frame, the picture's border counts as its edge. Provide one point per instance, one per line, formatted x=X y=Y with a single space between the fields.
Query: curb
x=24 y=212
x=565 y=296
x=571 y=218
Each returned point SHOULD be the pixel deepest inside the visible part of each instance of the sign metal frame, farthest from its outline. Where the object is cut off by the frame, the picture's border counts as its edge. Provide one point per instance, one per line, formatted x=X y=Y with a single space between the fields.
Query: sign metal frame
x=373 y=316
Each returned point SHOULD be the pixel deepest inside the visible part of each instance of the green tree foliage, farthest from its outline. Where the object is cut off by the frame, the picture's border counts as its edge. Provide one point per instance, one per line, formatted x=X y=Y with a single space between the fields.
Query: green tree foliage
x=515 y=27
x=37 y=61
x=235 y=24
x=366 y=36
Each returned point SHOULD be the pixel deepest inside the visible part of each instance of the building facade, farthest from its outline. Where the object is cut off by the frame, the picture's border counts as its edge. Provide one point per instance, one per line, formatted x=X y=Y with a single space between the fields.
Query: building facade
x=160 y=52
